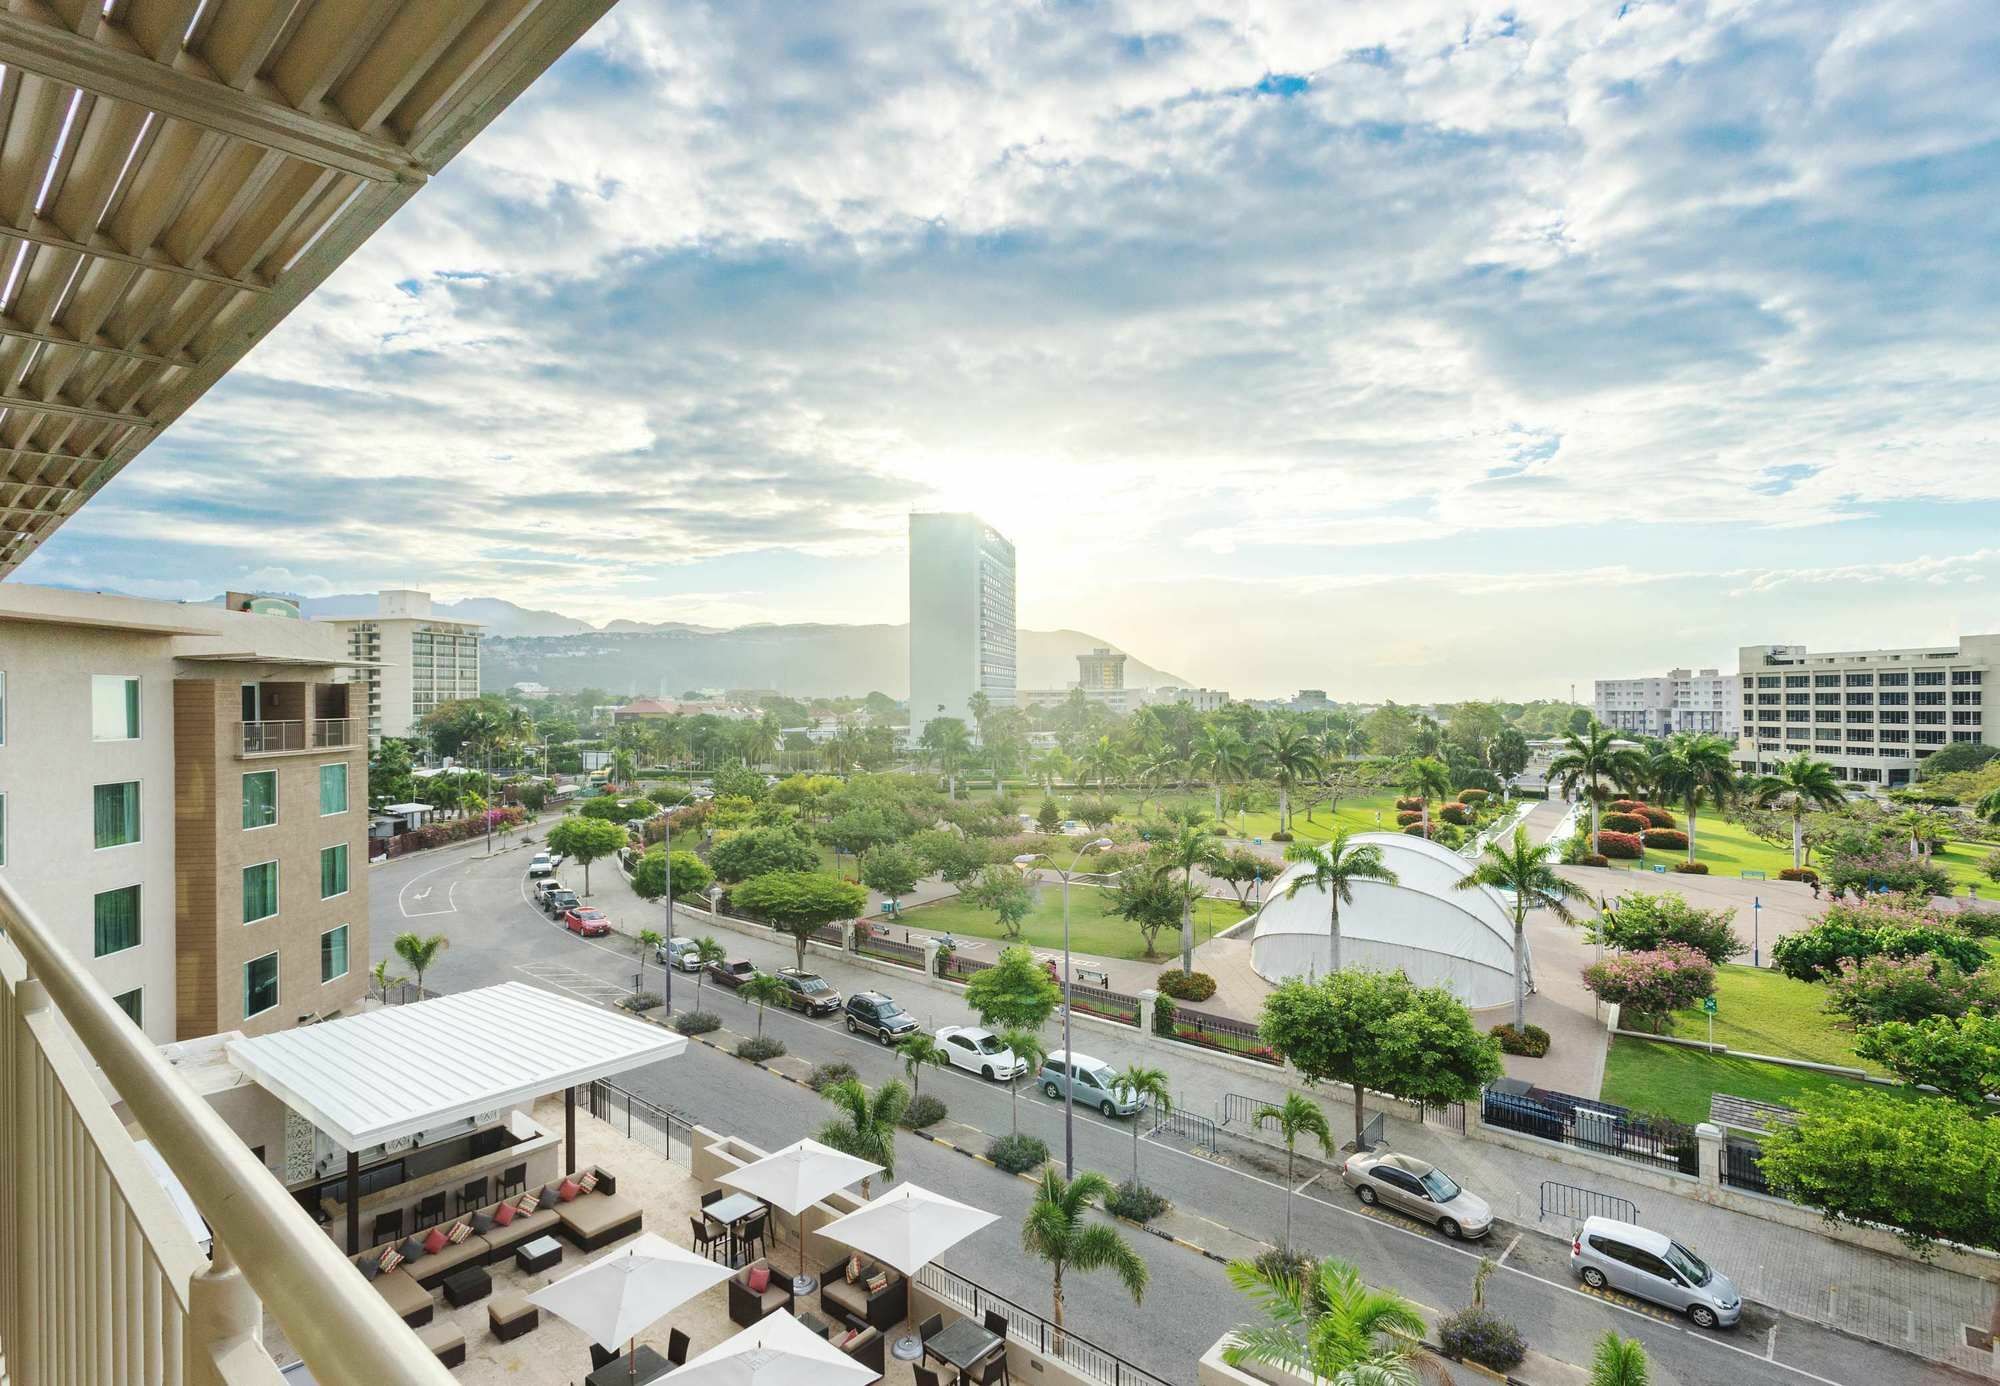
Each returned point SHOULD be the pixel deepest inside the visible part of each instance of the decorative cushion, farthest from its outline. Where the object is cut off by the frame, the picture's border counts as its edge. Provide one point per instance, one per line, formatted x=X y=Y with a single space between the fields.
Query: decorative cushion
x=854 y=1268
x=569 y=1190
x=760 y=1278
x=369 y=1266
x=588 y=1182
x=503 y=1215
x=482 y=1223
x=411 y=1249
x=459 y=1232
x=391 y=1259
x=849 y=1336
x=878 y=1282
x=550 y=1193
x=529 y=1202
x=434 y=1241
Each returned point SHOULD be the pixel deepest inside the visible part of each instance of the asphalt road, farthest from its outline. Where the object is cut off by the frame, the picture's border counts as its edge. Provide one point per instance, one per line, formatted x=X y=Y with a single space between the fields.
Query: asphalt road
x=480 y=904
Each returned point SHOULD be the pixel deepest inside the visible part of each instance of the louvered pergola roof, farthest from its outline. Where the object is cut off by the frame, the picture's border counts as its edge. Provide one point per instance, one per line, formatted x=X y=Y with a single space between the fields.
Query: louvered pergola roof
x=177 y=175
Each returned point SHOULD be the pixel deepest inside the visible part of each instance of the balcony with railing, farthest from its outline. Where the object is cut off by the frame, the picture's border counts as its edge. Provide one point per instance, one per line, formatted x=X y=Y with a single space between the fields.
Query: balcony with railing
x=281 y=736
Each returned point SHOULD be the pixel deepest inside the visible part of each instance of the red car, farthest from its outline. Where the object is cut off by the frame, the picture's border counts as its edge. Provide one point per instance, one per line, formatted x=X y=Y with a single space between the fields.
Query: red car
x=582 y=919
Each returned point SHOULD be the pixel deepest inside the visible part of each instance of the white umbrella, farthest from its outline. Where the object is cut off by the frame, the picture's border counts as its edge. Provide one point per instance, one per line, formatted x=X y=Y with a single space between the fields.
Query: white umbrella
x=615 y=1297
x=908 y=1227
x=778 y=1350
x=797 y=1177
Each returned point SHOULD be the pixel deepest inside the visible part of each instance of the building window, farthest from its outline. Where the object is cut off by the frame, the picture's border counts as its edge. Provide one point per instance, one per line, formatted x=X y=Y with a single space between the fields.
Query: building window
x=1796 y=680
x=1768 y=681
x=116 y=923
x=260 y=891
x=133 y=1003
x=332 y=789
x=1930 y=678
x=260 y=799
x=114 y=708
x=1965 y=677
x=260 y=985
x=115 y=814
x=1895 y=700
x=1894 y=680
x=1826 y=680
x=1930 y=700
x=1860 y=680
x=333 y=871
x=333 y=955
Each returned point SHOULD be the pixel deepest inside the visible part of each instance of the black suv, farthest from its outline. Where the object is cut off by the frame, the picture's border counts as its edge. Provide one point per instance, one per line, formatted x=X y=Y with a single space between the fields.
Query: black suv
x=554 y=902
x=872 y=1013
x=808 y=992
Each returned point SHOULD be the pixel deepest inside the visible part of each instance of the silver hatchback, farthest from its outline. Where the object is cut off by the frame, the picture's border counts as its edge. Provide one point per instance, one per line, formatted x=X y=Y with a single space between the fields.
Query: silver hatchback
x=1423 y=1191
x=1652 y=1266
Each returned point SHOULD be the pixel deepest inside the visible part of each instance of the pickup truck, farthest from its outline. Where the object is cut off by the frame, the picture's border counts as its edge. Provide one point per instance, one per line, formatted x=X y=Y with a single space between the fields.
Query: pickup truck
x=558 y=900
x=731 y=972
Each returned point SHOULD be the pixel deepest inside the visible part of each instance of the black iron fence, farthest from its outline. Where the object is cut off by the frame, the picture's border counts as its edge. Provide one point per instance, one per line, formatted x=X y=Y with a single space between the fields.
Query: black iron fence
x=1223 y=1032
x=1592 y=1125
x=955 y=968
x=888 y=950
x=1577 y=1203
x=642 y=1120
x=1741 y=1166
x=1105 y=1004
x=1030 y=1329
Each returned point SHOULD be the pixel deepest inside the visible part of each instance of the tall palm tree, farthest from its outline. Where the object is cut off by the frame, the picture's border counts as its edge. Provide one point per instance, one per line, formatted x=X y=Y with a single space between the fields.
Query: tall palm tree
x=1030 y=1049
x=1427 y=778
x=1528 y=873
x=1291 y=759
x=1296 y=1116
x=1060 y=1230
x=1104 y=760
x=1691 y=767
x=949 y=741
x=1191 y=847
x=1798 y=786
x=1328 y=1326
x=1147 y=1086
x=1619 y=1362
x=707 y=952
x=866 y=1126
x=1593 y=760
x=763 y=988
x=1923 y=827
x=981 y=708
x=1335 y=865
x=1223 y=756
x=419 y=953
x=918 y=1050
x=1050 y=767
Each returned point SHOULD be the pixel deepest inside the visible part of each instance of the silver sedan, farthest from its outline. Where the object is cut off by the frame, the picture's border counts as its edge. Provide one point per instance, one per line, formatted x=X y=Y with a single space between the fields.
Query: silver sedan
x=1423 y=1191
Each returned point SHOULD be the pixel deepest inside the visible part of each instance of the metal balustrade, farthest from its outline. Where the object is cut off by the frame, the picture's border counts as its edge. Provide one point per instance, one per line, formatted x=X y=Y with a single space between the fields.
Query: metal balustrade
x=1080 y=1355
x=312 y=734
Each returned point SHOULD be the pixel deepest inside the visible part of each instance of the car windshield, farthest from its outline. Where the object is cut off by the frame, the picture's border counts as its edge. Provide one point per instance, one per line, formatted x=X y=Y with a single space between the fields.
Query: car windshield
x=1439 y=1186
x=1101 y=1076
x=1688 y=1264
x=989 y=1045
x=888 y=1010
x=812 y=984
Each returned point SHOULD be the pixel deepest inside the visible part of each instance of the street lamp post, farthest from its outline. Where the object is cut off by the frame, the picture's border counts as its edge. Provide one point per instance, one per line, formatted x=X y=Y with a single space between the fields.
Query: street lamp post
x=667 y=874
x=1069 y=1057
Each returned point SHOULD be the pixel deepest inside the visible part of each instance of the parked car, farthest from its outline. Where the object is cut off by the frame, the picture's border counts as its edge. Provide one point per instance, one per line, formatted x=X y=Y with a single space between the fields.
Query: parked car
x=584 y=920
x=980 y=1051
x=731 y=972
x=541 y=864
x=540 y=891
x=1090 y=1080
x=558 y=900
x=1652 y=1266
x=809 y=992
x=680 y=953
x=872 y=1013
x=1425 y=1192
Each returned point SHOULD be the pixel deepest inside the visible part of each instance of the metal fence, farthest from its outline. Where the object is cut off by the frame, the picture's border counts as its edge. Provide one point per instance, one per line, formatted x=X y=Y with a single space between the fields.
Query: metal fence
x=1024 y=1326
x=1740 y=1167
x=641 y=1120
x=1592 y=1125
x=1577 y=1203
x=1451 y=1118
x=888 y=950
x=956 y=968
x=1222 y=1032
x=1189 y=1126
x=1107 y=1005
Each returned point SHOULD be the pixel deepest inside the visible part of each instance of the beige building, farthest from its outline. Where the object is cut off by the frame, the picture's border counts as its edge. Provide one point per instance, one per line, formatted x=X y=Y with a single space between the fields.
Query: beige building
x=409 y=661
x=1873 y=714
x=184 y=798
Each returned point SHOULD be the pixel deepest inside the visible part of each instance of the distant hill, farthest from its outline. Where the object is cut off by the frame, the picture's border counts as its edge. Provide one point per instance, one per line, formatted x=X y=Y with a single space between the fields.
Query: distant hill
x=500 y=617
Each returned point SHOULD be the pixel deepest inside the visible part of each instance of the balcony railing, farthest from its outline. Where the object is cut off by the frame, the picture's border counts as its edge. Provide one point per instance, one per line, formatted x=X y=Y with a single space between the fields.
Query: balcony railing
x=315 y=734
x=100 y=1279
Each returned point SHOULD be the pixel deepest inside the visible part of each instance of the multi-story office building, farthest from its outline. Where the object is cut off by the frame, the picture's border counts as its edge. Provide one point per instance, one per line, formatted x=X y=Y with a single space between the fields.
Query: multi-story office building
x=961 y=618
x=410 y=661
x=1874 y=714
x=1101 y=676
x=184 y=797
x=1685 y=700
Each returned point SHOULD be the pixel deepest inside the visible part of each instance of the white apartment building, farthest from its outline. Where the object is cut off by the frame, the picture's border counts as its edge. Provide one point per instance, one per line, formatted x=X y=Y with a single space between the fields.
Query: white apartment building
x=1202 y=699
x=412 y=661
x=962 y=638
x=1873 y=714
x=1684 y=701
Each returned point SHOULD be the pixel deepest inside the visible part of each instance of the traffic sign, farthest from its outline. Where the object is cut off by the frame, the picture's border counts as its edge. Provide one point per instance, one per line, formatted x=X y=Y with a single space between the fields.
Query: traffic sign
x=1708 y=1004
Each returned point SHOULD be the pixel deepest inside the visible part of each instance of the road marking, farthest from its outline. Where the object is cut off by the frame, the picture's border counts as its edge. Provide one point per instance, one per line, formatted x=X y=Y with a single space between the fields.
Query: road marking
x=1771 y=1345
x=1311 y=1179
x=428 y=871
x=1510 y=1248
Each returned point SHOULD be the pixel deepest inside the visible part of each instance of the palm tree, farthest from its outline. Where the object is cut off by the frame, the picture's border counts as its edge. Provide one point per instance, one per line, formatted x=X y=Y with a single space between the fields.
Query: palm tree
x=1798 y=786
x=1060 y=1230
x=624 y=766
x=949 y=741
x=1924 y=827
x=1426 y=778
x=1619 y=1362
x=1291 y=759
x=1692 y=767
x=981 y=708
x=1298 y=1116
x=419 y=953
x=1104 y=760
x=866 y=1127
x=1594 y=760
x=1529 y=875
x=383 y=979
x=763 y=988
x=1222 y=755
x=1029 y=1048
x=1050 y=767
x=1190 y=847
x=707 y=952
x=919 y=1049
x=1336 y=865
x=1327 y=1325
x=1143 y=1085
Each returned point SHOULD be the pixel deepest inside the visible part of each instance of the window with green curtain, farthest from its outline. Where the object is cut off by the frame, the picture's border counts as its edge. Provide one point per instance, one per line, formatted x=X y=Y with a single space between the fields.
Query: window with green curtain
x=333 y=789
x=260 y=985
x=114 y=707
x=333 y=871
x=260 y=891
x=333 y=954
x=115 y=813
x=260 y=799
x=133 y=1003
x=116 y=923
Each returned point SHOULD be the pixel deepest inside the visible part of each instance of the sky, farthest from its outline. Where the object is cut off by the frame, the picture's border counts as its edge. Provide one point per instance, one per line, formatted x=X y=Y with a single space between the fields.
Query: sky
x=1427 y=350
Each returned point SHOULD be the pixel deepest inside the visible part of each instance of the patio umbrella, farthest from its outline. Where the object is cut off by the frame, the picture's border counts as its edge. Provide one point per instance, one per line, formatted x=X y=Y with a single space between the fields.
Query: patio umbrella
x=909 y=1227
x=797 y=1177
x=778 y=1350
x=613 y=1298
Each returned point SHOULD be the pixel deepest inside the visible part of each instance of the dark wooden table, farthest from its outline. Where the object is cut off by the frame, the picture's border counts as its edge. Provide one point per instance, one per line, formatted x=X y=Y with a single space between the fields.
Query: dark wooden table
x=732 y=1212
x=643 y=1367
x=963 y=1344
x=537 y=1254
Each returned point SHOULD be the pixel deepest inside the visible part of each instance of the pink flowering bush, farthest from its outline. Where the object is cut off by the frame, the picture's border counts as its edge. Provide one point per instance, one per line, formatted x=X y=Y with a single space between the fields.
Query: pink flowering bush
x=1884 y=988
x=1651 y=985
x=1624 y=846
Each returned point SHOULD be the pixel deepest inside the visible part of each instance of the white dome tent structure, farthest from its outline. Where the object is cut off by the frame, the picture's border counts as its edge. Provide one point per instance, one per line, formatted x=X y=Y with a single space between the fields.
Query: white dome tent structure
x=1423 y=926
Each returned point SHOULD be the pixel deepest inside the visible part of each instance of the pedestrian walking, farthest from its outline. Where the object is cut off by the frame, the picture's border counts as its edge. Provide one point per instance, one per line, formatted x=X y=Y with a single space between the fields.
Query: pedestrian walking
x=1815 y=889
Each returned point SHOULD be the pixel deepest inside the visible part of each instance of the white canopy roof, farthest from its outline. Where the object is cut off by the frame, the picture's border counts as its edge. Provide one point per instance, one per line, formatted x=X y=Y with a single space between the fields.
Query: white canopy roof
x=802 y=1173
x=393 y=1072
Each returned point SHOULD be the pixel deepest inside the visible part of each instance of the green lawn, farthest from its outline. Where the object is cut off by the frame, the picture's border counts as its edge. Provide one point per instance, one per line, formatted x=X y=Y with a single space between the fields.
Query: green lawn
x=1668 y=1078
x=1765 y=1012
x=1091 y=930
x=1962 y=861
x=1365 y=813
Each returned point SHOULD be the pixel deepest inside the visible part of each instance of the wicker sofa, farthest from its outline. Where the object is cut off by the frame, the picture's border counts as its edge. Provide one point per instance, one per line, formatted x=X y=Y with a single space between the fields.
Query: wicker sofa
x=853 y=1305
x=746 y=1307
x=866 y=1347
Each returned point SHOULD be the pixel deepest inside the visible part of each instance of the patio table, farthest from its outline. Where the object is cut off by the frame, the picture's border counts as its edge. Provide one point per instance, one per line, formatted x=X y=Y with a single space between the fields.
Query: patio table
x=649 y=1367
x=729 y=1212
x=963 y=1344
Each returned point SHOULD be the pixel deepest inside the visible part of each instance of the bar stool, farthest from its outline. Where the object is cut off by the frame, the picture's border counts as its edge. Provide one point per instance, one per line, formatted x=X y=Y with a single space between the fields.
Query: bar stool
x=513 y=1179
x=473 y=1195
x=388 y=1226
x=430 y=1212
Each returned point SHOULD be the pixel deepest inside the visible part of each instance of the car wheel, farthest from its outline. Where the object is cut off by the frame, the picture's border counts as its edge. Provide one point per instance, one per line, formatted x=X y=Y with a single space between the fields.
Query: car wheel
x=1049 y=1091
x=987 y=1074
x=1703 y=1316
x=852 y=1028
x=1450 y=1228
x=887 y=1039
x=1110 y=1109
x=1365 y=1194
x=1593 y=1277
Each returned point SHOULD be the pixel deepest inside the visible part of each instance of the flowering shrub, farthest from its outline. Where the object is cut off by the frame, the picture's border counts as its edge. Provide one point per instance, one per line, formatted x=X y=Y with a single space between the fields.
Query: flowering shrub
x=1592 y=859
x=1799 y=873
x=1691 y=868
x=1476 y=1334
x=1623 y=846
x=1658 y=817
x=1473 y=796
x=1417 y=830
x=1627 y=805
x=1410 y=803
x=1884 y=988
x=1624 y=822
x=1666 y=838
x=461 y=829
x=1642 y=920
x=1991 y=865
x=1186 y=986
x=1455 y=813
x=1405 y=817
x=1530 y=1040
x=1652 y=984
x=1870 y=928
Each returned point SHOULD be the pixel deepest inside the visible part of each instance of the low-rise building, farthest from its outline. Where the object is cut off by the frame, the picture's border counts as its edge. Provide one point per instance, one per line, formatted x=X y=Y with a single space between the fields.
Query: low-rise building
x=1202 y=699
x=1684 y=700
